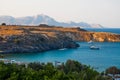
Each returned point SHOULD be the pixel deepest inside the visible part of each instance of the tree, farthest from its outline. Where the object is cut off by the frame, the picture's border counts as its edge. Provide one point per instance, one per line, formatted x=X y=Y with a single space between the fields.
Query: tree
x=113 y=70
x=3 y=24
x=71 y=70
x=72 y=66
x=35 y=66
x=44 y=25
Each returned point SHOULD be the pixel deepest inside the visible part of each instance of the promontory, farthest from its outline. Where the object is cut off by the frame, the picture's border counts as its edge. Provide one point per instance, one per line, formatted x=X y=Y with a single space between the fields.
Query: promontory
x=29 y=39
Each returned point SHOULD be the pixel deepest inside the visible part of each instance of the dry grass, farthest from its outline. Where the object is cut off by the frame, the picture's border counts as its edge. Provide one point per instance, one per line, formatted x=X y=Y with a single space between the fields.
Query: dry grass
x=11 y=32
x=52 y=32
x=18 y=30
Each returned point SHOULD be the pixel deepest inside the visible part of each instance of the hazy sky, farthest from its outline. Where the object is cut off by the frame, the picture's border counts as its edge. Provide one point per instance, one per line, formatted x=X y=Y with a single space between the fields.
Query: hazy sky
x=104 y=12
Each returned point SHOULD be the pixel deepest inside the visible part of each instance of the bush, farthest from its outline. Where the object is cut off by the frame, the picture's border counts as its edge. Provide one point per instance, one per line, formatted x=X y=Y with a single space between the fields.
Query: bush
x=3 y=24
x=113 y=70
x=71 y=70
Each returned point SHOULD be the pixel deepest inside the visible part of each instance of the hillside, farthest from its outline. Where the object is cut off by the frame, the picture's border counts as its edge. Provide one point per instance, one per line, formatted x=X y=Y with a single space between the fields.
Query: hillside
x=14 y=39
x=23 y=39
x=44 y=19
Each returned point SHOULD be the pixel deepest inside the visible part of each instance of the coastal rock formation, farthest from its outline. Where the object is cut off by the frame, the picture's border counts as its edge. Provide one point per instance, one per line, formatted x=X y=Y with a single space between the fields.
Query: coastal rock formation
x=35 y=43
x=26 y=39
x=23 y=40
x=96 y=36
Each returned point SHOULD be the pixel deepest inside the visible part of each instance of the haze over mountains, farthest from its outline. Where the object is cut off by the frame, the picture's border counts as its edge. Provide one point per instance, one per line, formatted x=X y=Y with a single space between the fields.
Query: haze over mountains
x=44 y=19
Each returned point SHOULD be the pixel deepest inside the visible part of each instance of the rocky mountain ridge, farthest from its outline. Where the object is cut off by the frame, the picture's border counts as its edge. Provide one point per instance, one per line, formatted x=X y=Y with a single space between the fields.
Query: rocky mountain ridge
x=44 y=19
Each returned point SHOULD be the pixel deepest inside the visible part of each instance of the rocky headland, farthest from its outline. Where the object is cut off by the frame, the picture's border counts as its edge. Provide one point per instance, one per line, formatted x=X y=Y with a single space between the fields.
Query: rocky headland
x=29 y=39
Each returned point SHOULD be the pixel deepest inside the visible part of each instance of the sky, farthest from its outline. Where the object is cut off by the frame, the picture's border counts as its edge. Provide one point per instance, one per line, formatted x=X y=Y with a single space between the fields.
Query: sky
x=104 y=12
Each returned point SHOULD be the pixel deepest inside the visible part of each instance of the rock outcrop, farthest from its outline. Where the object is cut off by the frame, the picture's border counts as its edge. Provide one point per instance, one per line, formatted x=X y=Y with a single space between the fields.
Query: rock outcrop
x=96 y=36
x=26 y=39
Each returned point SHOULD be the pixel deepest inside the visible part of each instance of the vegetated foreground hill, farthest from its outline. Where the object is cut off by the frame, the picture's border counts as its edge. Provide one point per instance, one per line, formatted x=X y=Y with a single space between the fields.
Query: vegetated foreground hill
x=71 y=70
x=19 y=39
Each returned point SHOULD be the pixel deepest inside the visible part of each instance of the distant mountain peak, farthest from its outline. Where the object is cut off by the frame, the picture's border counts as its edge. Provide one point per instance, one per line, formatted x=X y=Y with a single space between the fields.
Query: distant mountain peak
x=97 y=26
x=44 y=19
x=43 y=16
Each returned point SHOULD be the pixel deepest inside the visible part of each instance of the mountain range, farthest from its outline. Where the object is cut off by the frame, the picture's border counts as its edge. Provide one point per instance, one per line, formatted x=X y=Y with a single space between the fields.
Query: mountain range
x=44 y=19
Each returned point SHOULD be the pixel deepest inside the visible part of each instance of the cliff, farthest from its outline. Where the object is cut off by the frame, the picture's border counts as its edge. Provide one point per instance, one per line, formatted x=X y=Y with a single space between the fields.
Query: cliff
x=96 y=36
x=15 y=39
x=21 y=39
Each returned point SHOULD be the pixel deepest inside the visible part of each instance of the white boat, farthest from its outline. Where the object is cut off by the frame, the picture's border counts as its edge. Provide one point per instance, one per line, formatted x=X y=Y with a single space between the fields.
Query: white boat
x=63 y=49
x=90 y=41
x=93 y=46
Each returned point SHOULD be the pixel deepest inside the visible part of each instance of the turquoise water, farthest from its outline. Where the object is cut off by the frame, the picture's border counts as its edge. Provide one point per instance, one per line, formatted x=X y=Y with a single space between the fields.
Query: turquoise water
x=108 y=55
x=113 y=30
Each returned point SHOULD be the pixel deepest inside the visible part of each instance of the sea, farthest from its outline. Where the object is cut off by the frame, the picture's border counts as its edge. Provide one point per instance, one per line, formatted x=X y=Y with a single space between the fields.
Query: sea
x=108 y=55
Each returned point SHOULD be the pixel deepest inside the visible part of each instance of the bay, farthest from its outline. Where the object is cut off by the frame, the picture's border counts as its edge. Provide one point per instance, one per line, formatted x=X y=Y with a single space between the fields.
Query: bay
x=108 y=55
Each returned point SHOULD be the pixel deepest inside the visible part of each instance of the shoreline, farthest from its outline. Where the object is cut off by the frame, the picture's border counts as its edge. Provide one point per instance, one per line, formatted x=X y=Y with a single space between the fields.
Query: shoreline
x=32 y=39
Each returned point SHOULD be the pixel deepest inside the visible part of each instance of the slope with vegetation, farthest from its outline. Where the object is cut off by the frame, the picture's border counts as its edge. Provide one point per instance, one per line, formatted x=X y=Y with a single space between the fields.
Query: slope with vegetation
x=71 y=70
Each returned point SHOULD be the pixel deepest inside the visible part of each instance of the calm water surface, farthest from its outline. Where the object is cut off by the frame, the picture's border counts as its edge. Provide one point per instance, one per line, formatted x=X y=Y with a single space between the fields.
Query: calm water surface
x=108 y=55
x=113 y=30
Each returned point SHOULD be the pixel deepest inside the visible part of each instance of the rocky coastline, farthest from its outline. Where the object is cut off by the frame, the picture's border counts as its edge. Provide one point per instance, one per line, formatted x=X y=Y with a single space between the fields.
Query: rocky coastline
x=30 y=39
